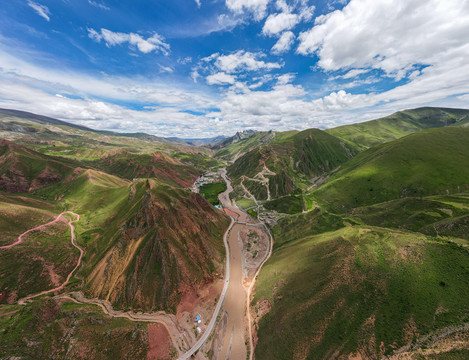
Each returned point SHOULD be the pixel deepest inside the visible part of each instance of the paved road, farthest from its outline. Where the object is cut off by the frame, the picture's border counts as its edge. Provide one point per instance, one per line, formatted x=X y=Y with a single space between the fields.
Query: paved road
x=210 y=326
x=234 y=346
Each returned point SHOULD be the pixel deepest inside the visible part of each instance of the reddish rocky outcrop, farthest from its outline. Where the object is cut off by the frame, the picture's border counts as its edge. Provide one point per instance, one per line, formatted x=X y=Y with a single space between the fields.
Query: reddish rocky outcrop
x=172 y=244
x=24 y=170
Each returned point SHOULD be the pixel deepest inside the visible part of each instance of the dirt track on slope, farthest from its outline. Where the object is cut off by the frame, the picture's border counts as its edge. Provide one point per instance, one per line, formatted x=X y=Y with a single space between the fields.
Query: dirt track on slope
x=39 y=227
x=72 y=231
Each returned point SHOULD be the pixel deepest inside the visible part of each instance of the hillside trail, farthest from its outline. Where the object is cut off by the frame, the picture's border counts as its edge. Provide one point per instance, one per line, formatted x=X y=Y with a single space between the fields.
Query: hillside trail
x=72 y=232
x=169 y=321
x=39 y=227
x=260 y=178
x=264 y=180
x=246 y=191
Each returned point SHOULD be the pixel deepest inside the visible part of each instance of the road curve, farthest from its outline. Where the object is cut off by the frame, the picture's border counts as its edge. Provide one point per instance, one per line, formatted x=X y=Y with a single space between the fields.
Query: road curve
x=39 y=227
x=72 y=231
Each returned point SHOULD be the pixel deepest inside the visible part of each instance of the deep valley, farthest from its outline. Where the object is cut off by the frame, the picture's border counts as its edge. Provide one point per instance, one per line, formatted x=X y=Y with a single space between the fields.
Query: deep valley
x=346 y=243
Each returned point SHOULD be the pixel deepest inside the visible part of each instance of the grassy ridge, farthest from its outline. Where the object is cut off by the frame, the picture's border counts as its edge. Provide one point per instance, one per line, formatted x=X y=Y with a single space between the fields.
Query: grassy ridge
x=158 y=165
x=375 y=132
x=152 y=240
x=317 y=152
x=146 y=230
x=26 y=268
x=436 y=215
x=309 y=153
x=18 y=214
x=296 y=159
x=299 y=226
x=425 y=163
x=23 y=169
x=291 y=204
x=356 y=288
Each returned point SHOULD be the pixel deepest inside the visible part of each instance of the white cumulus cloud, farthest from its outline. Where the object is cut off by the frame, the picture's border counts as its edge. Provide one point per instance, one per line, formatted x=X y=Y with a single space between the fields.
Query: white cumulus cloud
x=276 y=23
x=284 y=43
x=342 y=100
x=242 y=60
x=389 y=35
x=154 y=43
x=220 y=78
x=257 y=7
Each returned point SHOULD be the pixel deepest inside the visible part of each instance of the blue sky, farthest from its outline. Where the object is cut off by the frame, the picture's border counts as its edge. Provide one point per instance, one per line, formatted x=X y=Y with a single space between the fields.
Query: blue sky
x=200 y=68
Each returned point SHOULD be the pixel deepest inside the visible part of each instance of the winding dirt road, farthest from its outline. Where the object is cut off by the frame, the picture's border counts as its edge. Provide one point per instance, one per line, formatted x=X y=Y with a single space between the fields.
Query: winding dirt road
x=72 y=232
x=39 y=227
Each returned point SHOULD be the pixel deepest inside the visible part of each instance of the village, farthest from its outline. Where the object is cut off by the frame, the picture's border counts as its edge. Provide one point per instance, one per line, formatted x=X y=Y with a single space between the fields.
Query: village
x=207 y=178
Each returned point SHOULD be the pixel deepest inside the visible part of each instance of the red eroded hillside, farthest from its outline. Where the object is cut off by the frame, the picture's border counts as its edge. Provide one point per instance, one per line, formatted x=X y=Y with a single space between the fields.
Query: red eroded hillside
x=24 y=170
x=168 y=247
x=156 y=165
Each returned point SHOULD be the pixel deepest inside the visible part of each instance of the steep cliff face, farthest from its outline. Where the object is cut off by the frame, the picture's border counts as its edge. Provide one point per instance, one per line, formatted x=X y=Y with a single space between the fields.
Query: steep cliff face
x=171 y=244
x=24 y=170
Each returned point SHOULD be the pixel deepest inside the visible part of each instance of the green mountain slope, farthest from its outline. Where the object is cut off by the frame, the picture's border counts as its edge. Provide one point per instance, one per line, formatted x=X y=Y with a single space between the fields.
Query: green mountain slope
x=49 y=328
x=357 y=290
x=19 y=214
x=442 y=215
x=371 y=133
x=58 y=138
x=384 y=271
x=23 y=169
x=429 y=162
x=164 y=242
x=311 y=153
x=294 y=162
x=232 y=148
x=146 y=243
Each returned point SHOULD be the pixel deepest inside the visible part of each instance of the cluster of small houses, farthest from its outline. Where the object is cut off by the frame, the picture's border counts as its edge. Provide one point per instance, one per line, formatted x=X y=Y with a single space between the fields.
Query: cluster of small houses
x=205 y=179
